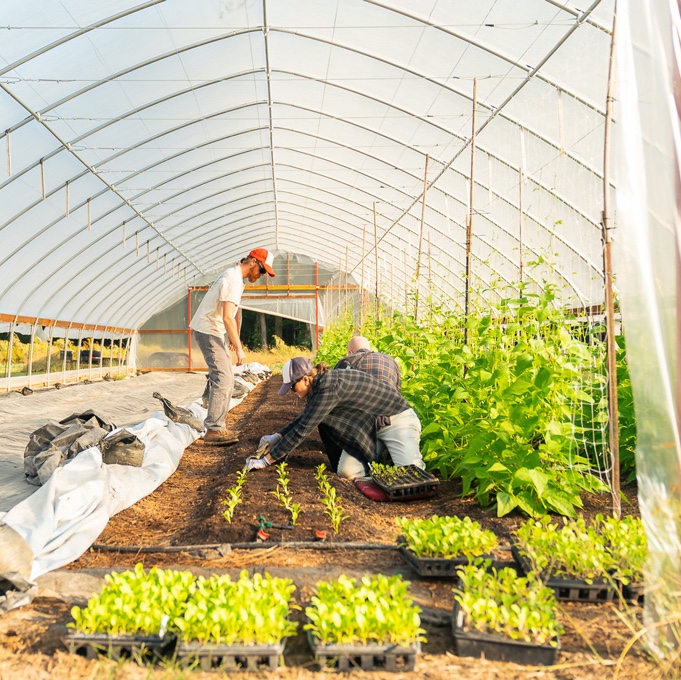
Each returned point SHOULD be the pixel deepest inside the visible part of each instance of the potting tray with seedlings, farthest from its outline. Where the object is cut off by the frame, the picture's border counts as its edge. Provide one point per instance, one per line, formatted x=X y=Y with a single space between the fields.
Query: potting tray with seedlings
x=132 y=616
x=505 y=617
x=580 y=562
x=371 y=625
x=435 y=547
x=404 y=483
x=236 y=625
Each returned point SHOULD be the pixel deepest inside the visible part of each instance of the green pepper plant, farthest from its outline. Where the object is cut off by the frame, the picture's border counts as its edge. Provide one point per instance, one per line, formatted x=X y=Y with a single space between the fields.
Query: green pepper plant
x=446 y=537
x=249 y=611
x=503 y=603
x=234 y=495
x=283 y=493
x=135 y=602
x=330 y=499
x=377 y=610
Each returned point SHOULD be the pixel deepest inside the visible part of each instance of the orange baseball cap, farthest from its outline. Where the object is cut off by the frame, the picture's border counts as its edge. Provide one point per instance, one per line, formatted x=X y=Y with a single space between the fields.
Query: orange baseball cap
x=265 y=258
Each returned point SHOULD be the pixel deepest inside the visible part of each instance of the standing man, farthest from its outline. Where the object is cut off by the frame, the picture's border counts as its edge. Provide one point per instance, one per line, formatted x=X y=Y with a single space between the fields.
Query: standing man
x=215 y=316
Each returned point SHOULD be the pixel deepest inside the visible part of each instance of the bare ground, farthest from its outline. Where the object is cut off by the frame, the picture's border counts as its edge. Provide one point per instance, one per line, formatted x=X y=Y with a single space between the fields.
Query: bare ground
x=187 y=511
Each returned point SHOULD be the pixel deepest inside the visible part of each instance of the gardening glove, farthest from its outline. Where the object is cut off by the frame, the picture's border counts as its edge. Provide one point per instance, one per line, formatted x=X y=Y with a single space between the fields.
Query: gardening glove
x=269 y=441
x=254 y=463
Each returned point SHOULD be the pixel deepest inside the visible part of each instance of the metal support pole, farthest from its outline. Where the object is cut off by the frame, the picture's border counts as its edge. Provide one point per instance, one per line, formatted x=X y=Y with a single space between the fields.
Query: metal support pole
x=521 y=178
x=469 y=221
x=361 y=290
x=316 y=306
x=611 y=344
x=189 y=330
x=375 y=266
x=29 y=368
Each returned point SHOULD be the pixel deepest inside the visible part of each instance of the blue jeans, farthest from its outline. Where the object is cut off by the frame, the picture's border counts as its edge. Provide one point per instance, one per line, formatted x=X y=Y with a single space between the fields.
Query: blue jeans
x=220 y=377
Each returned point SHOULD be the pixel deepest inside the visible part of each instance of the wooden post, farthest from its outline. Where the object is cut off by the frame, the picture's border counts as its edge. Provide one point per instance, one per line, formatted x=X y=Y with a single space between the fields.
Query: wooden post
x=521 y=178
x=423 y=221
x=375 y=265
x=469 y=221
x=611 y=344
x=316 y=306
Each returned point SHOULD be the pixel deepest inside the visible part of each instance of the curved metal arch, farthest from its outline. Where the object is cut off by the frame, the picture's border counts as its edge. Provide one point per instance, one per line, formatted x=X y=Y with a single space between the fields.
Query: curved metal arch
x=77 y=34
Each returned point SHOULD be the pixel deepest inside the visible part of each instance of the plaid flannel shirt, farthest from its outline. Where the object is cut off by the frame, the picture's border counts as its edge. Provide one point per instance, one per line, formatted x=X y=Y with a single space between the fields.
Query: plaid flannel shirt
x=379 y=365
x=348 y=403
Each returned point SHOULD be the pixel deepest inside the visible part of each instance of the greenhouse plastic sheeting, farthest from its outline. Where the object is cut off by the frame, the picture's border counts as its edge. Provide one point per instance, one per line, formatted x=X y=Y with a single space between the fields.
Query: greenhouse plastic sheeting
x=648 y=241
x=147 y=145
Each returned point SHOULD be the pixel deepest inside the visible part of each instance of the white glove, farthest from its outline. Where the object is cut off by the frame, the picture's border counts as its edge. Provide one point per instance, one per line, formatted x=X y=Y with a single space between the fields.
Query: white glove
x=254 y=463
x=269 y=440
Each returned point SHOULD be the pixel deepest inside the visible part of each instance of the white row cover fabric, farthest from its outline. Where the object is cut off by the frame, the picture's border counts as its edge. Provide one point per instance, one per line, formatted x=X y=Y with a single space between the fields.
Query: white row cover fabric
x=63 y=518
x=149 y=143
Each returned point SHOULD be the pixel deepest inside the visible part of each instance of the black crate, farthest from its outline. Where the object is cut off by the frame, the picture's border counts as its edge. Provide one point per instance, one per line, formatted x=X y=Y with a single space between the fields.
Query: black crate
x=499 y=648
x=212 y=657
x=567 y=589
x=137 y=647
x=433 y=567
x=634 y=593
x=415 y=484
x=344 y=658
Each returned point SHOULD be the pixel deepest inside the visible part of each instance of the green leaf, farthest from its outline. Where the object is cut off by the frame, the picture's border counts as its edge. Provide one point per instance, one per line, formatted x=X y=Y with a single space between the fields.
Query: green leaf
x=505 y=503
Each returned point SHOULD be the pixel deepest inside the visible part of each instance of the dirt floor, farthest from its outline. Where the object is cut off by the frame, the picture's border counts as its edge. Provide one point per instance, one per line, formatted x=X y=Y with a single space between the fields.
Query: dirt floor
x=187 y=511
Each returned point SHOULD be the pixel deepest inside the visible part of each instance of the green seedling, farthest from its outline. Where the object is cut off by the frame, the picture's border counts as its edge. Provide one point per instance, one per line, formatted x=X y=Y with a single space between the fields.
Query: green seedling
x=135 y=602
x=250 y=611
x=234 y=495
x=389 y=474
x=330 y=499
x=378 y=610
x=503 y=603
x=283 y=493
x=446 y=537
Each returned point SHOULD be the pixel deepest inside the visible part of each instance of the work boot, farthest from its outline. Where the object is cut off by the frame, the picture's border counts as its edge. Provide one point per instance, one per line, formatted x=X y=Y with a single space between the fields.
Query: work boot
x=219 y=438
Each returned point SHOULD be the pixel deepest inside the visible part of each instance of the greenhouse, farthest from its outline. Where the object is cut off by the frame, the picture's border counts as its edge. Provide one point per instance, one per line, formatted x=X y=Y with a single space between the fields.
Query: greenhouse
x=486 y=193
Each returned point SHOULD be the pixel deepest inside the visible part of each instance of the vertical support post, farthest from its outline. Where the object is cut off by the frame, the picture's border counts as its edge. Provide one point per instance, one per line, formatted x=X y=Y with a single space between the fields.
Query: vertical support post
x=80 y=342
x=89 y=358
x=469 y=221
x=376 y=270
x=521 y=179
x=316 y=306
x=29 y=368
x=361 y=290
x=611 y=344
x=288 y=273
x=42 y=178
x=423 y=221
x=9 y=154
x=49 y=356
x=347 y=250
x=101 y=352
x=8 y=372
x=189 y=330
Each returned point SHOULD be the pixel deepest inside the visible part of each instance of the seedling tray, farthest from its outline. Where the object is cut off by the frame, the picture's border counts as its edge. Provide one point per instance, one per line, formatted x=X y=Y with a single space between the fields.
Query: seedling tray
x=210 y=657
x=415 y=483
x=432 y=567
x=499 y=648
x=142 y=647
x=344 y=658
x=634 y=593
x=570 y=590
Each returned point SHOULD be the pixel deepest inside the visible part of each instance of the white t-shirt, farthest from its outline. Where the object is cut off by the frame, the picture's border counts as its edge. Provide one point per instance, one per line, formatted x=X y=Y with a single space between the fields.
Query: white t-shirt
x=228 y=287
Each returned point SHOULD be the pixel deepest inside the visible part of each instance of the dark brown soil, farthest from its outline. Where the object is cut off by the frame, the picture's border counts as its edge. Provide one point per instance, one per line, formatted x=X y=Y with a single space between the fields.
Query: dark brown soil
x=187 y=511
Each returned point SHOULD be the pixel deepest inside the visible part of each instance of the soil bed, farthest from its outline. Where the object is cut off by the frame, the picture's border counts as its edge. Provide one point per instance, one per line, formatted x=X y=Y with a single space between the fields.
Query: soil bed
x=187 y=511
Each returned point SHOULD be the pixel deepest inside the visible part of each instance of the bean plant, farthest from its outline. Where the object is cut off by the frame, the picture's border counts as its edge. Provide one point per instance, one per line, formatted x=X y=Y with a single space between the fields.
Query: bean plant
x=234 y=495
x=446 y=537
x=511 y=398
x=377 y=610
x=250 y=611
x=330 y=499
x=135 y=602
x=503 y=603
x=283 y=493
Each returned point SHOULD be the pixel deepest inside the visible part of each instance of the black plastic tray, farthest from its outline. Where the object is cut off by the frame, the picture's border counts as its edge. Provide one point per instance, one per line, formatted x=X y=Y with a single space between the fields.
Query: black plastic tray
x=211 y=657
x=634 y=593
x=433 y=567
x=499 y=648
x=346 y=658
x=567 y=589
x=143 y=647
x=417 y=484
